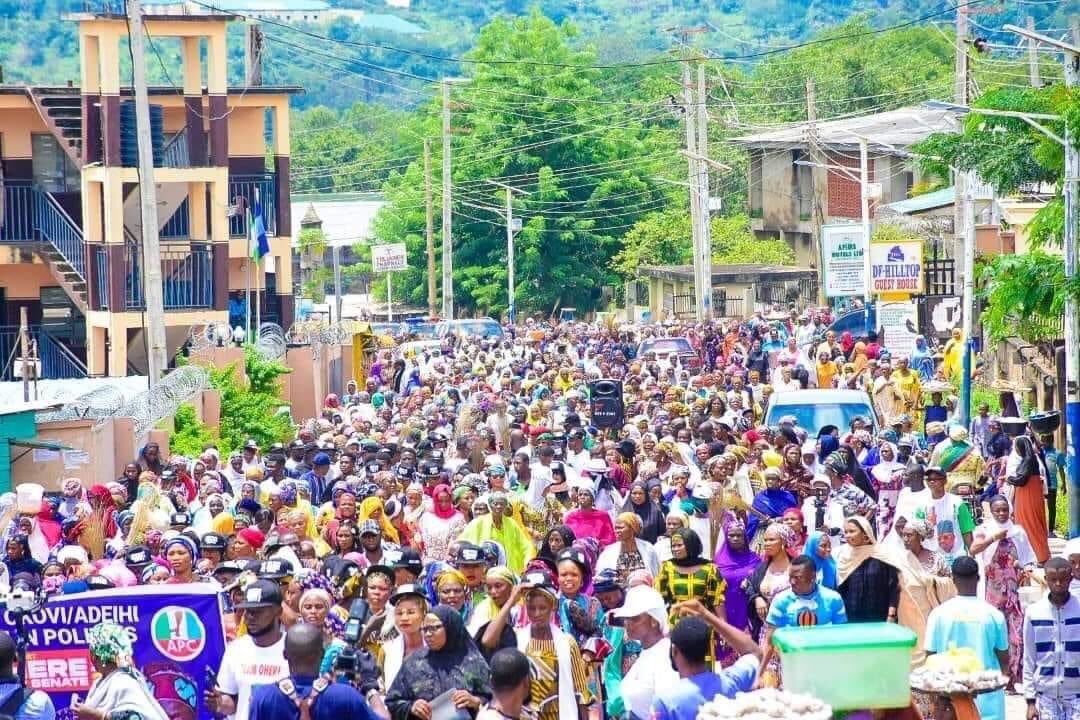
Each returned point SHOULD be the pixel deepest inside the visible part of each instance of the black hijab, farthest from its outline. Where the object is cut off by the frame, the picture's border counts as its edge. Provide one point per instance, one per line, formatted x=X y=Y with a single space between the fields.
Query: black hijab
x=858 y=475
x=694 y=548
x=652 y=519
x=568 y=537
x=1029 y=460
x=428 y=673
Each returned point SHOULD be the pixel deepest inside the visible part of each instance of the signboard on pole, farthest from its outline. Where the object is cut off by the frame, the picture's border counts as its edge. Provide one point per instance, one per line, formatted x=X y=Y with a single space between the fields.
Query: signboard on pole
x=897 y=267
x=899 y=324
x=842 y=248
x=388 y=258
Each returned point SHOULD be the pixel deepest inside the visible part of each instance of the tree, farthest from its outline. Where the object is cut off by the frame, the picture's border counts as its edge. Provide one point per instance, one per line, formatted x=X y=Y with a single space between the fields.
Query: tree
x=1025 y=293
x=585 y=159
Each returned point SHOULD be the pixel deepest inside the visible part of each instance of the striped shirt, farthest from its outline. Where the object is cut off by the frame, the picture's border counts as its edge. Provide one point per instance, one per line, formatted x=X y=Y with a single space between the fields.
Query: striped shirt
x=1052 y=649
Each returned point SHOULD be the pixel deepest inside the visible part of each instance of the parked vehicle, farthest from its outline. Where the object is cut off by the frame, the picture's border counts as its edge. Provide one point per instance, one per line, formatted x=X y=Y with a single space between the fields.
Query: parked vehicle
x=671 y=349
x=478 y=328
x=816 y=408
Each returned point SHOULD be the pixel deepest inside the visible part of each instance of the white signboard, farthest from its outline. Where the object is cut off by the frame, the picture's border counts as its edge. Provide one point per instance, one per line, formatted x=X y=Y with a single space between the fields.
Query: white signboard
x=899 y=323
x=388 y=258
x=842 y=248
x=896 y=267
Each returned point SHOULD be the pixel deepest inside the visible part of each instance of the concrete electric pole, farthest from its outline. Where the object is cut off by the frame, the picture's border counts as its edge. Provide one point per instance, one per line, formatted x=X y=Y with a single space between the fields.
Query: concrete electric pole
x=429 y=229
x=157 y=354
x=447 y=230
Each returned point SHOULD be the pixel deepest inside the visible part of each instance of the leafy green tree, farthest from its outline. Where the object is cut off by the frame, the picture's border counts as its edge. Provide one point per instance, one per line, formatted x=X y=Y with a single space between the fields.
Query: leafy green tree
x=1026 y=292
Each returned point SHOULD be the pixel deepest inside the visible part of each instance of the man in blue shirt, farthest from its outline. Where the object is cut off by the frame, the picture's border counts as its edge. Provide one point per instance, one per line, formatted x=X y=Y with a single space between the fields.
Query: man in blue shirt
x=967 y=621
x=16 y=701
x=804 y=604
x=324 y=700
x=691 y=644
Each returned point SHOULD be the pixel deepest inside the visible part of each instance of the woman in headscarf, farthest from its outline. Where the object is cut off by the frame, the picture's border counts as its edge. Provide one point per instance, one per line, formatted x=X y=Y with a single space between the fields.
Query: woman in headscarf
x=795 y=477
x=440 y=527
x=586 y=520
x=688 y=575
x=650 y=520
x=73 y=494
x=768 y=505
x=925 y=583
x=794 y=519
x=630 y=551
x=673 y=521
x=819 y=549
x=858 y=476
x=847 y=344
x=770 y=577
x=560 y=680
x=1026 y=474
x=1006 y=560
x=150 y=459
x=499 y=581
x=580 y=614
x=121 y=690
x=557 y=539
x=450 y=663
x=182 y=554
x=736 y=562
x=922 y=360
x=887 y=478
x=867 y=575
x=372 y=508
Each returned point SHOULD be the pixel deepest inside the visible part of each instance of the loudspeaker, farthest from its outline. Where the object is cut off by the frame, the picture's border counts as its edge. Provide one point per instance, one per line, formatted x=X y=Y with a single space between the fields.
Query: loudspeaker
x=607 y=403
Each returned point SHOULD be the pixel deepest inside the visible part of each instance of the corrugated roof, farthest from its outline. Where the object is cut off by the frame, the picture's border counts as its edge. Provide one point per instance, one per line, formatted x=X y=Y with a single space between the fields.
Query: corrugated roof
x=240 y=6
x=902 y=128
x=391 y=23
x=921 y=203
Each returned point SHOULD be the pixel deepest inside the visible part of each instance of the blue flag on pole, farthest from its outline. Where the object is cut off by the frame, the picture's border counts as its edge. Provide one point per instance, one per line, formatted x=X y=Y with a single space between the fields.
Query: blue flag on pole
x=260 y=245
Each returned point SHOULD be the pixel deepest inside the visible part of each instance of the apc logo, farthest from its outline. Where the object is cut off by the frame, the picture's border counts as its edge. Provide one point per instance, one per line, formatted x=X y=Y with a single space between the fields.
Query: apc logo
x=178 y=633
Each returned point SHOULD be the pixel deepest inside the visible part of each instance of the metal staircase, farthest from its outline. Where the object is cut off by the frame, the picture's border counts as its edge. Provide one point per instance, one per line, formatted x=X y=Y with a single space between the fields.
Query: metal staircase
x=61 y=110
x=61 y=247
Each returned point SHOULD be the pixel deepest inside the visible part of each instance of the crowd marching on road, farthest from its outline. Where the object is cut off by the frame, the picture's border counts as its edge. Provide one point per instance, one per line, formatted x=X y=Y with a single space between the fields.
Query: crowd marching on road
x=464 y=533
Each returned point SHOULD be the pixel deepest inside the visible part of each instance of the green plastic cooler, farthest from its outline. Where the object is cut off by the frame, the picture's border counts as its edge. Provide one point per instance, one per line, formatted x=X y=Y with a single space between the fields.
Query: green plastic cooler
x=860 y=666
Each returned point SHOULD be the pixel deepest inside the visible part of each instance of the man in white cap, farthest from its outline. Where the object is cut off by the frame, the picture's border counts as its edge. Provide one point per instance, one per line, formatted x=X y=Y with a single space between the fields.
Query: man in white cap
x=644 y=616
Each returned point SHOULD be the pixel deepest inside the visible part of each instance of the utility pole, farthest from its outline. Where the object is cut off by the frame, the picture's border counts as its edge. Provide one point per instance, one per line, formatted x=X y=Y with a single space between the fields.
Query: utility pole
x=429 y=230
x=447 y=230
x=511 y=307
x=692 y=163
x=1072 y=312
x=964 y=220
x=704 y=233
x=864 y=195
x=1033 y=56
x=24 y=352
x=157 y=355
x=338 y=301
x=819 y=181
x=253 y=54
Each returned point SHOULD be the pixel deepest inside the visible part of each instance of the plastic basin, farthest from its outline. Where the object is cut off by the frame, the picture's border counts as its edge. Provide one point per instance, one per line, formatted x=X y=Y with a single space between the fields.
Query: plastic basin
x=860 y=666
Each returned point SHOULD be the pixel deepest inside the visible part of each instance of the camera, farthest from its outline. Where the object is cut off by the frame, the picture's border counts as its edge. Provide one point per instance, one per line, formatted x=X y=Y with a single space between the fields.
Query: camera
x=21 y=600
x=356 y=665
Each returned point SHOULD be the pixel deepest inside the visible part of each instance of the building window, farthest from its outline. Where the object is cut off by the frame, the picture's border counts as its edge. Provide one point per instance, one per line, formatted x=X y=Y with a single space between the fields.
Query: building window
x=53 y=169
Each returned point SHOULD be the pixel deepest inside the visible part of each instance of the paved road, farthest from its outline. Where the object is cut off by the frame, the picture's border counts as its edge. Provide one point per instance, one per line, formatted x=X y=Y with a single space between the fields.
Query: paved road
x=1015 y=707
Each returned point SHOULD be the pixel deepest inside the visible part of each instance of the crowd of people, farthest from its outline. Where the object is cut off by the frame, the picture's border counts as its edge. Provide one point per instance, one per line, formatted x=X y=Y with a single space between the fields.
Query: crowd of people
x=455 y=536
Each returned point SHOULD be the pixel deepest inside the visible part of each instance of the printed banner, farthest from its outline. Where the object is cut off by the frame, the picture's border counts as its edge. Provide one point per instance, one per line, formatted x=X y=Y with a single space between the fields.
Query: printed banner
x=899 y=323
x=842 y=262
x=897 y=267
x=177 y=634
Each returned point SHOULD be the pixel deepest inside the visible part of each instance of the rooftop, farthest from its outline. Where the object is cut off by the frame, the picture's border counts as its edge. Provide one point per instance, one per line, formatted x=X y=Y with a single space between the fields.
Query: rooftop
x=898 y=128
x=729 y=273
x=74 y=90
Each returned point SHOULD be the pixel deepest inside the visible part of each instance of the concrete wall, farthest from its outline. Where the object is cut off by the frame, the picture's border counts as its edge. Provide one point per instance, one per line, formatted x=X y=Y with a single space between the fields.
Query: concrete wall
x=303 y=383
x=1038 y=372
x=777 y=181
x=99 y=453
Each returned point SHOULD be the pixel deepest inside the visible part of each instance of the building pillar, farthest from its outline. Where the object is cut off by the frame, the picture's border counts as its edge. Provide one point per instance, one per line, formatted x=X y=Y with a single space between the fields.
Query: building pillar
x=90 y=64
x=217 y=89
x=281 y=149
x=96 y=355
x=118 y=350
x=108 y=53
x=193 y=104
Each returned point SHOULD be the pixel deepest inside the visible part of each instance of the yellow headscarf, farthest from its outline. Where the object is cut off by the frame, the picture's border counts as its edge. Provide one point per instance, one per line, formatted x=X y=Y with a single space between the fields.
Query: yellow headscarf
x=368 y=507
x=223 y=523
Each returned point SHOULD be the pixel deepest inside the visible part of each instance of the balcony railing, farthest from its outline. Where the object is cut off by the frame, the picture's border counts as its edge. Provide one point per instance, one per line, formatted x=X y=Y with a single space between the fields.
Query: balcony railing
x=245 y=186
x=57 y=360
x=187 y=277
x=18 y=211
x=54 y=225
x=175 y=153
x=101 y=267
x=177 y=226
